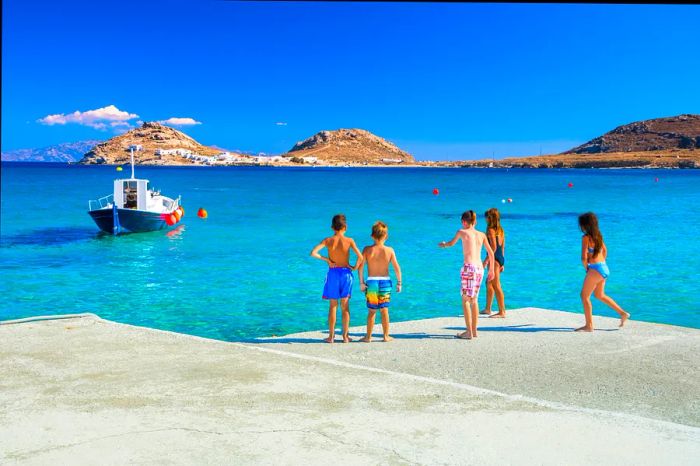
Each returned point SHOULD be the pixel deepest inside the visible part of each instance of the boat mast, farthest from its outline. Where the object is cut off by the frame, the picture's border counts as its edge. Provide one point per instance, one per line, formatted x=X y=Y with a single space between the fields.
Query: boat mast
x=132 y=163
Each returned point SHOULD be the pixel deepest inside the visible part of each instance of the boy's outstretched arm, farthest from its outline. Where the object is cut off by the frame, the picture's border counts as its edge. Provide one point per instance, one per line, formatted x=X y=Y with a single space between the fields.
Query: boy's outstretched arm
x=491 y=259
x=397 y=270
x=315 y=254
x=451 y=242
x=360 y=259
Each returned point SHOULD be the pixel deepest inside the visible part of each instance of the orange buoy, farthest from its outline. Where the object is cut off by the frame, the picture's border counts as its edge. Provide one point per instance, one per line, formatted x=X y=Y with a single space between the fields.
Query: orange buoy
x=182 y=211
x=436 y=191
x=201 y=213
x=176 y=214
x=170 y=220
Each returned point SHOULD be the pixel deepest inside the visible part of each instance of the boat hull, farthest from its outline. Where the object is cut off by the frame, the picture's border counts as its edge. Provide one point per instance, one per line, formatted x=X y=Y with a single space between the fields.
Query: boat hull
x=130 y=220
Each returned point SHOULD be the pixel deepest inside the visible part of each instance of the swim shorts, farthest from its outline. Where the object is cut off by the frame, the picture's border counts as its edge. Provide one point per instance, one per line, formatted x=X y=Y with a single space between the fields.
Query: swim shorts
x=338 y=283
x=471 y=276
x=378 y=292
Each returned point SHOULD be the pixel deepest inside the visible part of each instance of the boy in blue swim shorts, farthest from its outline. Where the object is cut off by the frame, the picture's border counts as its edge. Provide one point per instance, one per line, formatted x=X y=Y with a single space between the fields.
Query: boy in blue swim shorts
x=377 y=288
x=339 y=279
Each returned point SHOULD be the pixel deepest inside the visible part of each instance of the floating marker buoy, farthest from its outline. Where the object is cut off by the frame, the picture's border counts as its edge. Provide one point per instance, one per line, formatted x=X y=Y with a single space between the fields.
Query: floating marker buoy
x=436 y=191
x=201 y=213
x=503 y=201
x=656 y=180
x=182 y=211
x=119 y=168
x=510 y=200
x=170 y=220
x=571 y=185
x=176 y=214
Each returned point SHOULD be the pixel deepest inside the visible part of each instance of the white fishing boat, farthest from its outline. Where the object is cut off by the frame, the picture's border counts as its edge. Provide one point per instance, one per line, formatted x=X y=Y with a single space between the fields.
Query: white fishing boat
x=134 y=207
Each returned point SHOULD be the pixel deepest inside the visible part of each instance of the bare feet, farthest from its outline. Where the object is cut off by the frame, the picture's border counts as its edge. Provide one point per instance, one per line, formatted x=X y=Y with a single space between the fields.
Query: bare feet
x=474 y=335
x=464 y=335
x=585 y=328
x=485 y=312
x=498 y=315
x=329 y=339
x=367 y=339
x=347 y=339
x=623 y=318
x=388 y=338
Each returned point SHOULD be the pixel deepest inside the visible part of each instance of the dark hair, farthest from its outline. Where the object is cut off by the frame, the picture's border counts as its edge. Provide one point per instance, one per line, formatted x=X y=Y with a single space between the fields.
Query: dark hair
x=469 y=216
x=493 y=220
x=588 y=223
x=338 y=222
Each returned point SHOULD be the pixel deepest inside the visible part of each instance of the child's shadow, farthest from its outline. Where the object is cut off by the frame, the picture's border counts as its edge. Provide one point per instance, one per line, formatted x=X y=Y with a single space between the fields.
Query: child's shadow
x=405 y=336
x=528 y=328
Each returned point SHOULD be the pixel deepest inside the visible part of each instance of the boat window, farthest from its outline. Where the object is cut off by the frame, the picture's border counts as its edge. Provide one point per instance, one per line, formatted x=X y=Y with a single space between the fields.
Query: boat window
x=130 y=194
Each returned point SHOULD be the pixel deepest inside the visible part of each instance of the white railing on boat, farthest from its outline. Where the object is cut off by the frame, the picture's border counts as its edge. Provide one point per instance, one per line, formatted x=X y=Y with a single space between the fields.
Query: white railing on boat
x=101 y=202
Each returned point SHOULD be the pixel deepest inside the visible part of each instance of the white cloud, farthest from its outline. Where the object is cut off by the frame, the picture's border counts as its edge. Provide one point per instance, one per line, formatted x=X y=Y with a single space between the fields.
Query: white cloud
x=281 y=123
x=177 y=121
x=98 y=118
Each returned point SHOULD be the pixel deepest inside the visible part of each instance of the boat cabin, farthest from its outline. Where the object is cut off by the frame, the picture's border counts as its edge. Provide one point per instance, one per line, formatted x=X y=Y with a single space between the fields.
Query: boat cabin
x=131 y=194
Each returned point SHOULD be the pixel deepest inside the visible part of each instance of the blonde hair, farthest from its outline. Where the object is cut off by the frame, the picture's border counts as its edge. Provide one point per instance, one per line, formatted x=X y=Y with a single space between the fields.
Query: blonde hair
x=493 y=219
x=379 y=230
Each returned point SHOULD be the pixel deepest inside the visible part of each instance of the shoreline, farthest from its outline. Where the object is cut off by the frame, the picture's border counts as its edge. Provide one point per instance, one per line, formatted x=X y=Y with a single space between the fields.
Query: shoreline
x=115 y=393
x=438 y=165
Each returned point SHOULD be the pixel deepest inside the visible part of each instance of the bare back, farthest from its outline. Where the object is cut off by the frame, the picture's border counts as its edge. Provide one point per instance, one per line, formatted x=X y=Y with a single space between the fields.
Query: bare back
x=378 y=258
x=338 y=247
x=472 y=240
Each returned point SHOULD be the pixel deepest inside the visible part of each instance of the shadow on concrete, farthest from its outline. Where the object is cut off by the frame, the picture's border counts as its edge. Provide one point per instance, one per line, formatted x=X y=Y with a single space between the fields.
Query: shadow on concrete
x=528 y=328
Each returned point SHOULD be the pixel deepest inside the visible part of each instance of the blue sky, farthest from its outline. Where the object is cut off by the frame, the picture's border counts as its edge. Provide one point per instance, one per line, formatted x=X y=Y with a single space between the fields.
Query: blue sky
x=443 y=81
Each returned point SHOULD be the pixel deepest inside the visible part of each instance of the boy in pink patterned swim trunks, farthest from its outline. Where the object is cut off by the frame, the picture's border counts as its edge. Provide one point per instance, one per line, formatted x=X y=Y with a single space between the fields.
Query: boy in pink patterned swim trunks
x=472 y=271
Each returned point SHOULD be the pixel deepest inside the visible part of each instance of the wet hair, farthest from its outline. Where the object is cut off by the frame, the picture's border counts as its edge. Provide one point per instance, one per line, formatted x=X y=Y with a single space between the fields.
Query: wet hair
x=588 y=223
x=338 y=222
x=469 y=216
x=379 y=230
x=493 y=220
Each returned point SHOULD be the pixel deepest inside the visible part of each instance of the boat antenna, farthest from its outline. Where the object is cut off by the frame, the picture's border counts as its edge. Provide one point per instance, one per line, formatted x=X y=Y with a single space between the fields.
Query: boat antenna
x=132 y=163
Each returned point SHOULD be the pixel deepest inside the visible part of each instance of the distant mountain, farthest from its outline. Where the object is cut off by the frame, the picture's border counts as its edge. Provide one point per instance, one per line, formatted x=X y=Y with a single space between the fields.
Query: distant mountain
x=678 y=132
x=151 y=138
x=349 y=146
x=66 y=152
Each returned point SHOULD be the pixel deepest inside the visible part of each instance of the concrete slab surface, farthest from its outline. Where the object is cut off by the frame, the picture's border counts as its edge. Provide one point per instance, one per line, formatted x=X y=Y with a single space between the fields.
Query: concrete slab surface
x=89 y=391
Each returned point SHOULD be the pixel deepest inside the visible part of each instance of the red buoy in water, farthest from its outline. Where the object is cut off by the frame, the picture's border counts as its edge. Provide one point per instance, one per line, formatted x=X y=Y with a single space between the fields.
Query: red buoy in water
x=201 y=213
x=656 y=180
x=571 y=185
x=176 y=214
x=170 y=220
x=510 y=200
x=436 y=191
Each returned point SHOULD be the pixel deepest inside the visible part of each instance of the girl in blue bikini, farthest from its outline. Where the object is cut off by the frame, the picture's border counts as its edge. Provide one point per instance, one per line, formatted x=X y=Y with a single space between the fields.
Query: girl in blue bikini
x=593 y=254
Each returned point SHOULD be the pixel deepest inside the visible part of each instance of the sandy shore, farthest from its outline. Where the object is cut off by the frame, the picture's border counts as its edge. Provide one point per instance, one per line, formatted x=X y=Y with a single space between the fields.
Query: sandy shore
x=527 y=391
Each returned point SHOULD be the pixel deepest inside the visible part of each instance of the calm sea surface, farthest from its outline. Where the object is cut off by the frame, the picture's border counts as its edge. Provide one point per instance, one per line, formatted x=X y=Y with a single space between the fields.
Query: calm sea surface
x=246 y=272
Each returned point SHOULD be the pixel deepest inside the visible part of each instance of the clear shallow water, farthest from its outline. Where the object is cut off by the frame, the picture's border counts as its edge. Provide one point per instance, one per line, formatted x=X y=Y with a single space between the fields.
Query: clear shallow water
x=245 y=271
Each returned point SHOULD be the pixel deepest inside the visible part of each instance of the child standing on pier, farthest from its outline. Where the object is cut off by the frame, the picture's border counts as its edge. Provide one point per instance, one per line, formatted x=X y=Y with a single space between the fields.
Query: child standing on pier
x=378 y=285
x=339 y=279
x=497 y=241
x=472 y=272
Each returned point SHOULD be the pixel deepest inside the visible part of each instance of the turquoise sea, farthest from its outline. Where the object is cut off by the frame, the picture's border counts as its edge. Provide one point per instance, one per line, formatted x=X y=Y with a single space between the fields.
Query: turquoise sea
x=245 y=271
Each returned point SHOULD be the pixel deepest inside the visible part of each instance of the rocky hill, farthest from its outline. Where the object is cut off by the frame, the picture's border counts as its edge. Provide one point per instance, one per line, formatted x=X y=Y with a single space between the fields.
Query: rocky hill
x=348 y=146
x=678 y=132
x=66 y=152
x=151 y=136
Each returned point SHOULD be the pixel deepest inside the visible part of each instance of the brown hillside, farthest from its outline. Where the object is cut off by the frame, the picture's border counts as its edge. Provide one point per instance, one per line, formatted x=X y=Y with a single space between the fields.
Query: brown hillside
x=151 y=136
x=354 y=146
x=678 y=132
